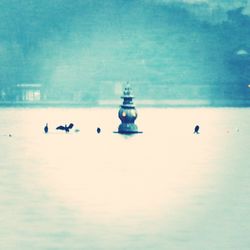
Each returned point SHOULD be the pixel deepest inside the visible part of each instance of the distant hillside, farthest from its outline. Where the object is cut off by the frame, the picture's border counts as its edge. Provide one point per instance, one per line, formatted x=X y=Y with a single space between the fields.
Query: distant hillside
x=91 y=46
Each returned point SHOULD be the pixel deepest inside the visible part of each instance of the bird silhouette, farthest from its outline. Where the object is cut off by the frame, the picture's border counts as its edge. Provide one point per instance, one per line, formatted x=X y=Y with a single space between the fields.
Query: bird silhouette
x=46 y=128
x=196 y=129
x=65 y=128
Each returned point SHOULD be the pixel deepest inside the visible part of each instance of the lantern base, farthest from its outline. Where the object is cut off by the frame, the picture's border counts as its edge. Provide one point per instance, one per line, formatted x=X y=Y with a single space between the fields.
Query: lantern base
x=127 y=133
x=128 y=128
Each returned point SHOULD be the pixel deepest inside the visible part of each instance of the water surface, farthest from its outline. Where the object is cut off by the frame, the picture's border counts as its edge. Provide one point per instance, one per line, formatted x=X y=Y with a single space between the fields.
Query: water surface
x=164 y=189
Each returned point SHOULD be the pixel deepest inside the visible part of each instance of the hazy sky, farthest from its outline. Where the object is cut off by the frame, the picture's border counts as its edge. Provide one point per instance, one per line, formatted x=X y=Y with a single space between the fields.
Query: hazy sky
x=84 y=42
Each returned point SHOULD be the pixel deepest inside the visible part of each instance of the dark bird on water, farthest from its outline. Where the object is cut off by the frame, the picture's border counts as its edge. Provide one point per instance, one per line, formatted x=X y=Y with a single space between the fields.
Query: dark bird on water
x=46 y=129
x=98 y=130
x=196 y=129
x=65 y=128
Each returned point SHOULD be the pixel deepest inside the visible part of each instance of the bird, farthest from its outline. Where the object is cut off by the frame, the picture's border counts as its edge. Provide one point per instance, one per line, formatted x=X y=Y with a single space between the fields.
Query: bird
x=65 y=128
x=46 y=128
x=98 y=130
x=196 y=129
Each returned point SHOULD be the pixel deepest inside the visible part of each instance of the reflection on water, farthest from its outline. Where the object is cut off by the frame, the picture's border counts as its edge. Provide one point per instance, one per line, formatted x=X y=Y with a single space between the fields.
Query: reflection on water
x=164 y=189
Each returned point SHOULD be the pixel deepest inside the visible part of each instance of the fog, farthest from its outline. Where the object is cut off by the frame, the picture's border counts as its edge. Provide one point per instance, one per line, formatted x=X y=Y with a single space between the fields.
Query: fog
x=92 y=46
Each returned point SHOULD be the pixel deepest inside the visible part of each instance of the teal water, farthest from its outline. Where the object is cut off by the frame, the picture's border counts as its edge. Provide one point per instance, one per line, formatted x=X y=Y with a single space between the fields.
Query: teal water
x=164 y=189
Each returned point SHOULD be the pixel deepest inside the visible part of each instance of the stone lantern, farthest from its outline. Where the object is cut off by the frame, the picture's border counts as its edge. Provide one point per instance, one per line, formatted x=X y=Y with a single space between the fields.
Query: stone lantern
x=127 y=113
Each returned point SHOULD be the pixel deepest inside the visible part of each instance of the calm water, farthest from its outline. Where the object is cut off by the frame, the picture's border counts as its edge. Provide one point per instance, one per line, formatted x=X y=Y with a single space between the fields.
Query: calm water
x=164 y=189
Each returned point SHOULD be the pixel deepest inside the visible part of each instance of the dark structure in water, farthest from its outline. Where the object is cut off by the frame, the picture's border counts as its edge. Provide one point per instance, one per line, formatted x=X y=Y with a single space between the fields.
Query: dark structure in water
x=127 y=113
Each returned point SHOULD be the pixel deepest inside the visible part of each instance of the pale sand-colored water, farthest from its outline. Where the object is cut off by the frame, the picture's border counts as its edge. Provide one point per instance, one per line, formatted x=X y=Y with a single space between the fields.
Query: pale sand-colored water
x=164 y=189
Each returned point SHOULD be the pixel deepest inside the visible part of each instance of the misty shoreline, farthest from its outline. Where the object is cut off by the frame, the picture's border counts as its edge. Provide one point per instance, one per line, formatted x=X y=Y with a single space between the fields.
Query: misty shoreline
x=140 y=103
